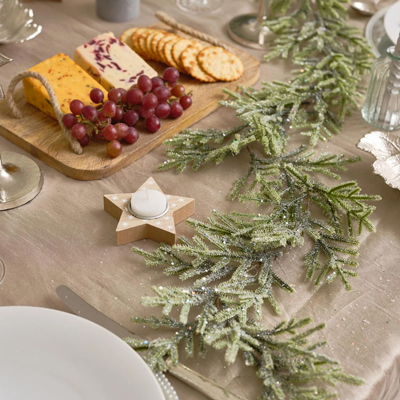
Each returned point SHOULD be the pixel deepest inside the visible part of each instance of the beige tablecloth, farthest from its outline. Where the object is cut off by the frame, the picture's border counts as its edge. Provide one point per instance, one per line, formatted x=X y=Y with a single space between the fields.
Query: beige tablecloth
x=65 y=237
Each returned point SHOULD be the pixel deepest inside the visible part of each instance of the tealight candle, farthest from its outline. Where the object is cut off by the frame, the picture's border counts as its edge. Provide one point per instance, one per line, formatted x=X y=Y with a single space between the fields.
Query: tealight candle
x=148 y=204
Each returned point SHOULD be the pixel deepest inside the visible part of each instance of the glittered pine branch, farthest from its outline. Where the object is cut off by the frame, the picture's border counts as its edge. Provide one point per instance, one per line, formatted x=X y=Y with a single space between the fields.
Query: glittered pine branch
x=229 y=262
x=285 y=361
x=330 y=57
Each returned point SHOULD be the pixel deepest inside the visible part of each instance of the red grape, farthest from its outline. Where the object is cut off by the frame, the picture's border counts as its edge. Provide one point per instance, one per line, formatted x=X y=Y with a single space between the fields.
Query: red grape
x=96 y=95
x=178 y=91
x=114 y=95
x=110 y=132
x=132 y=136
x=131 y=117
x=171 y=75
x=102 y=118
x=84 y=141
x=123 y=94
x=109 y=109
x=153 y=124
x=134 y=96
x=162 y=93
x=176 y=110
x=171 y=85
x=185 y=102
x=114 y=148
x=144 y=83
x=78 y=131
x=89 y=112
x=146 y=113
x=97 y=136
x=122 y=129
x=69 y=120
x=157 y=82
x=163 y=110
x=119 y=114
x=76 y=107
x=149 y=101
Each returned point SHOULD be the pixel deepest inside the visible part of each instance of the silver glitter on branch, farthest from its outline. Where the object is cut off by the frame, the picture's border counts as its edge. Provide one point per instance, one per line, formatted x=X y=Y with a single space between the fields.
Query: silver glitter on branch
x=331 y=57
x=229 y=263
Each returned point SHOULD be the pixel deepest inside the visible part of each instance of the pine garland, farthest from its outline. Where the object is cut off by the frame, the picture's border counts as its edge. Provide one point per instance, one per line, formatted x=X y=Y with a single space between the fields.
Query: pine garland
x=331 y=55
x=230 y=261
x=288 y=367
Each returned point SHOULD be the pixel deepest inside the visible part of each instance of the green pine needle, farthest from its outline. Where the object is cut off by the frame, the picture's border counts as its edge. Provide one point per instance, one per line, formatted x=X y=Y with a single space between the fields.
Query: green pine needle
x=229 y=265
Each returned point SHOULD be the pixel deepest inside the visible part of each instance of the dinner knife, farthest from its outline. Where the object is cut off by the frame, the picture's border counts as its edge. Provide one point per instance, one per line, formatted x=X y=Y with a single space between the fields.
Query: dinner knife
x=199 y=382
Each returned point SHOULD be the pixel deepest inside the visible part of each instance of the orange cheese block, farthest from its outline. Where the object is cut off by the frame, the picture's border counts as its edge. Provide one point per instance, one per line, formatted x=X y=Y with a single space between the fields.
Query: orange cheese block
x=68 y=80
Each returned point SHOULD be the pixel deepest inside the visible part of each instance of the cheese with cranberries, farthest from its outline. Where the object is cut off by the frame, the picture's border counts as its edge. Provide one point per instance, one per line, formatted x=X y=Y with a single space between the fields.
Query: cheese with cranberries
x=111 y=62
x=68 y=80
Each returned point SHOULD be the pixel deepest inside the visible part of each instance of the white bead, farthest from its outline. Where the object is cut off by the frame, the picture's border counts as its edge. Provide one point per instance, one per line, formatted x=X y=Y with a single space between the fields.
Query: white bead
x=166 y=387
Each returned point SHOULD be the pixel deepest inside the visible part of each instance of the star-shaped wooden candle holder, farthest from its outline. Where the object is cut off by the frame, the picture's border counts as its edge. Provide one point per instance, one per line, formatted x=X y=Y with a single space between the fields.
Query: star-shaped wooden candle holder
x=162 y=229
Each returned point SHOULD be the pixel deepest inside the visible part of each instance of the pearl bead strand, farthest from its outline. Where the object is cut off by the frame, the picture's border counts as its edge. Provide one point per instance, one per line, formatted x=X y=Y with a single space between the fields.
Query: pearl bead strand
x=167 y=388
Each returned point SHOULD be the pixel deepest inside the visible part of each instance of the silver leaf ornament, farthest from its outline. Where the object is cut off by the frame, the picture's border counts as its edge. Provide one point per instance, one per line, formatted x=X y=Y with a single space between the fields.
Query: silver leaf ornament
x=386 y=148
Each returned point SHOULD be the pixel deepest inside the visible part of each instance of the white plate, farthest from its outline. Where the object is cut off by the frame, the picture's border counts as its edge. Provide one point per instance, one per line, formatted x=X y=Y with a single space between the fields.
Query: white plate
x=51 y=355
x=392 y=22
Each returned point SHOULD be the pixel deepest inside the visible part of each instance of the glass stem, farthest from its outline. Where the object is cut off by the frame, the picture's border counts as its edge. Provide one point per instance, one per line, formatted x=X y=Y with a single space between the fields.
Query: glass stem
x=1 y=164
x=393 y=80
x=397 y=48
x=262 y=11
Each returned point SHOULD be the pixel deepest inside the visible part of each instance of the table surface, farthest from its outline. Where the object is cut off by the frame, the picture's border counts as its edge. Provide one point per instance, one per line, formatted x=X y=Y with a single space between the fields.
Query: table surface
x=64 y=236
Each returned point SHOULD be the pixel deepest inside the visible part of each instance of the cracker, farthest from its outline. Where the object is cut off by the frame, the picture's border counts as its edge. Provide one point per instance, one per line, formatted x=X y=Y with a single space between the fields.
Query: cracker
x=149 y=39
x=178 y=48
x=221 y=64
x=135 y=40
x=141 y=43
x=154 y=42
x=161 y=43
x=167 y=51
x=189 y=61
x=126 y=37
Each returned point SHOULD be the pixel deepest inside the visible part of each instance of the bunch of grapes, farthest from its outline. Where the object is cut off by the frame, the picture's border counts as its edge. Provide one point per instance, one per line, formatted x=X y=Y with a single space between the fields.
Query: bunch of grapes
x=114 y=120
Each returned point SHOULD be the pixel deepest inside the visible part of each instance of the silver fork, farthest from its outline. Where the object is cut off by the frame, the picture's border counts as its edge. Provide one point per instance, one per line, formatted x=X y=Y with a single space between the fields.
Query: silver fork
x=3 y=61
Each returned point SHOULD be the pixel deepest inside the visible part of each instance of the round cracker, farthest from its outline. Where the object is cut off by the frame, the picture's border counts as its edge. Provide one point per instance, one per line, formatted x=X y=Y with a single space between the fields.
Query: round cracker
x=135 y=40
x=137 y=33
x=167 y=51
x=141 y=43
x=161 y=43
x=147 y=44
x=178 y=48
x=154 y=42
x=149 y=40
x=126 y=37
x=189 y=61
x=221 y=64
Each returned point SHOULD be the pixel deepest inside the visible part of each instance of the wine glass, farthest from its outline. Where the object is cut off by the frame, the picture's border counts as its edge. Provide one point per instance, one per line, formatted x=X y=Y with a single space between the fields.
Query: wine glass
x=20 y=177
x=200 y=6
x=249 y=29
x=20 y=180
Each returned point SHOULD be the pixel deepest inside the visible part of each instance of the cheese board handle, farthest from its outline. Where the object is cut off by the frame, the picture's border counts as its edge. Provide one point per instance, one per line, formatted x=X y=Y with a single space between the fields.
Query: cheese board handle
x=76 y=147
x=167 y=19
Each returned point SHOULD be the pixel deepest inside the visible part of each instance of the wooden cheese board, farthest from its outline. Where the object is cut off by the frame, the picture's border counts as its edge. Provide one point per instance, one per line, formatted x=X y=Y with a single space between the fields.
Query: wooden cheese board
x=41 y=135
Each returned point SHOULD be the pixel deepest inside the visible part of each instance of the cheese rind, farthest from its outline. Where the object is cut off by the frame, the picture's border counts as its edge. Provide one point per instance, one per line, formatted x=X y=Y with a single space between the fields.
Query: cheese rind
x=68 y=80
x=111 y=62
